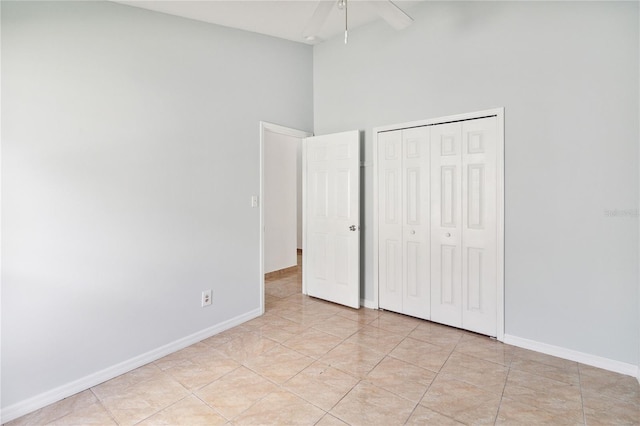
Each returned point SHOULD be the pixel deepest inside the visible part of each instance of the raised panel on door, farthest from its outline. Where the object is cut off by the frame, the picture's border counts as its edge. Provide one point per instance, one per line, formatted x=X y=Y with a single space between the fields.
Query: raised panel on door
x=446 y=226
x=390 y=221
x=479 y=226
x=331 y=254
x=318 y=212
x=416 y=225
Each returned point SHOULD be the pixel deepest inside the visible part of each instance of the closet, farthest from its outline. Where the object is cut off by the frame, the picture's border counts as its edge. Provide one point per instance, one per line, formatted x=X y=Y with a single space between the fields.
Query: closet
x=437 y=215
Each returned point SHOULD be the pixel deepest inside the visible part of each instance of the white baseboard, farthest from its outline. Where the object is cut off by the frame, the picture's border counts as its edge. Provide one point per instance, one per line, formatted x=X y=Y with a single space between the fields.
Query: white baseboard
x=581 y=357
x=27 y=406
x=368 y=304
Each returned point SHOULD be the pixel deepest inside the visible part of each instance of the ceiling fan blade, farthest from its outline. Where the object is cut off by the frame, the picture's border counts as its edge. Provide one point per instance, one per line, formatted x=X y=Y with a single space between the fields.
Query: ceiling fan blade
x=393 y=15
x=318 y=19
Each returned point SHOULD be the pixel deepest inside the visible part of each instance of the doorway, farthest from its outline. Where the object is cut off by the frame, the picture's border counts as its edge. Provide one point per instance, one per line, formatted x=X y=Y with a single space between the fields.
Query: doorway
x=280 y=199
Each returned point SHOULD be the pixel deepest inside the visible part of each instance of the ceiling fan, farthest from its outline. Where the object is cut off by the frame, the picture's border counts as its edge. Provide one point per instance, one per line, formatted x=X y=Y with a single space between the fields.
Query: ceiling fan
x=387 y=10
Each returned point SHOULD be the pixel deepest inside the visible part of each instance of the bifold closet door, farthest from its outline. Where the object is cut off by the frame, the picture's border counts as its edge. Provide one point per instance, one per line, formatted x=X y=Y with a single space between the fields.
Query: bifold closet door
x=404 y=226
x=416 y=225
x=390 y=220
x=446 y=228
x=479 y=226
x=463 y=225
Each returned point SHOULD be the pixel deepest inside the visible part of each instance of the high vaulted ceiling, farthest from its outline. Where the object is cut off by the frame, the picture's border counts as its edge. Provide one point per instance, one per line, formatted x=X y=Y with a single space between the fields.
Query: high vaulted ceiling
x=285 y=19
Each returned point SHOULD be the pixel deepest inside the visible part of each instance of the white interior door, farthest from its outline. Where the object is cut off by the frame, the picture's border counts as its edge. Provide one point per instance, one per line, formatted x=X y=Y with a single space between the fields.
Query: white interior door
x=464 y=225
x=390 y=220
x=416 y=226
x=331 y=253
x=479 y=226
x=403 y=225
x=446 y=217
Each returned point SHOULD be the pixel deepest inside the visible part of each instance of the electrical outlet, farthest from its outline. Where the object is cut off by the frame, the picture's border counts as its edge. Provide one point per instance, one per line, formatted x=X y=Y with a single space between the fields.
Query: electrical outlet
x=206 y=298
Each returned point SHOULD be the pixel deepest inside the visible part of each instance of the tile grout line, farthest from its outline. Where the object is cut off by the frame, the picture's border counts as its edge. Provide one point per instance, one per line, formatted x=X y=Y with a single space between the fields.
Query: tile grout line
x=584 y=414
x=209 y=405
x=433 y=381
x=502 y=394
x=437 y=373
x=106 y=409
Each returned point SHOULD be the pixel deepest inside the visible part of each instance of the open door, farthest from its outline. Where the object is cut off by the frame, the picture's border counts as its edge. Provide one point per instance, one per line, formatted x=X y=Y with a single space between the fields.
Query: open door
x=331 y=218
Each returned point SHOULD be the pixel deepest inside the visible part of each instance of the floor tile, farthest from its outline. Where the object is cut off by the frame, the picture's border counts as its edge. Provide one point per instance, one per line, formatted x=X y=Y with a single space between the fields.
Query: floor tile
x=396 y=323
x=142 y=399
x=526 y=354
x=182 y=355
x=437 y=334
x=312 y=342
x=188 y=411
x=94 y=414
x=461 y=401
x=607 y=383
x=329 y=420
x=484 y=374
x=422 y=354
x=513 y=412
x=235 y=392
x=321 y=385
x=280 y=408
x=362 y=315
x=423 y=416
x=370 y=405
x=338 y=326
x=220 y=338
x=376 y=338
x=280 y=329
x=603 y=410
x=554 y=397
x=282 y=288
x=401 y=378
x=305 y=317
x=246 y=346
x=485 y=348
x=119 y=384
x=567 y=374
x=352 y=359
x=279 y=364
x=202 y=370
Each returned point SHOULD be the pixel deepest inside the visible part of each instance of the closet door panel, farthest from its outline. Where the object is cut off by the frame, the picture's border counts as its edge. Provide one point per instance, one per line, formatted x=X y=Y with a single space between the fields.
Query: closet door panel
x=479 y=226
x=416 y=224
x=446 y=224
x=390 y=247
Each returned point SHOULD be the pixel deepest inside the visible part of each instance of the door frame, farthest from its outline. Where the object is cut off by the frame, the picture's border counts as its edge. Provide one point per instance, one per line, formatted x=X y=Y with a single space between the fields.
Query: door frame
x=266 y=126
x=499 y=114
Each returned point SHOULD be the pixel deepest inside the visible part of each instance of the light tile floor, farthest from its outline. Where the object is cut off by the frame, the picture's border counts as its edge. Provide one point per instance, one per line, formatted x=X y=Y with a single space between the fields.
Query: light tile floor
x=309 y=362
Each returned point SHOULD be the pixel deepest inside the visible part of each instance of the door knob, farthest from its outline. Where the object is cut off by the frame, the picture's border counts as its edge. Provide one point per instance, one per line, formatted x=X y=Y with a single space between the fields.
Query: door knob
x=448 y=234
x=413 y=232
x=352 y=228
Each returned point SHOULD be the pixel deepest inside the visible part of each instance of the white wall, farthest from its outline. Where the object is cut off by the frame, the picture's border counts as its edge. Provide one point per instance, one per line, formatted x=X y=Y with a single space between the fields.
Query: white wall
x=280 y=201
x=567 y=75
x=130 y=152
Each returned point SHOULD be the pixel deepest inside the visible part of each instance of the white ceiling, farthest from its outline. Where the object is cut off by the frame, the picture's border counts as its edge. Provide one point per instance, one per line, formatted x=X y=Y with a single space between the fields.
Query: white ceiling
x=285 y=19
